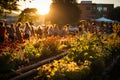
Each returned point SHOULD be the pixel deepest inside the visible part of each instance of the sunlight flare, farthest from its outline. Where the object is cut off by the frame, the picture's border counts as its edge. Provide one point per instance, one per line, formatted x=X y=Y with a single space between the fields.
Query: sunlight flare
x=43 y=6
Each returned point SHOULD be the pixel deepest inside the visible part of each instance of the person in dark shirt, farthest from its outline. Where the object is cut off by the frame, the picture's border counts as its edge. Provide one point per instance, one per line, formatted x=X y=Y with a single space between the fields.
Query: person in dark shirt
x=12 y=33
x=2 y=32
x=18 y=32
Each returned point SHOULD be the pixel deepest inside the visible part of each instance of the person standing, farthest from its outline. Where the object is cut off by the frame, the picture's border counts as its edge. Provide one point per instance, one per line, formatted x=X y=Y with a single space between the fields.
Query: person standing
x=18 y=32
x=12 y=33
x=50 y=31
x=2 y=32
x=27 y=32
x=32 y=29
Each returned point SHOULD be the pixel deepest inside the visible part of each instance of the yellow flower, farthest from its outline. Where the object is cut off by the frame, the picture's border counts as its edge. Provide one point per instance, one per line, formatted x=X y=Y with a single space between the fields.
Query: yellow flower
x=48 y=76
x=52 y=73
x=91 y=57
x=85 y=54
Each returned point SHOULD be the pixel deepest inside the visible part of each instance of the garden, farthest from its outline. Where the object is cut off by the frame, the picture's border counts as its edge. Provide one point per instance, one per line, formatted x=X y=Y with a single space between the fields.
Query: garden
x=89 y=56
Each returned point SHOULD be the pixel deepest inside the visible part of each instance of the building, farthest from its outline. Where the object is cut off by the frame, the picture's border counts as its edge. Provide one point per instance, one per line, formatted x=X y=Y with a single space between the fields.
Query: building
x=91 y=10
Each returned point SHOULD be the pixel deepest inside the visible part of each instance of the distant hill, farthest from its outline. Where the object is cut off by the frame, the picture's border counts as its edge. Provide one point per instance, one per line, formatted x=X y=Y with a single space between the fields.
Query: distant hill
x=10 y=17
x=12 y=14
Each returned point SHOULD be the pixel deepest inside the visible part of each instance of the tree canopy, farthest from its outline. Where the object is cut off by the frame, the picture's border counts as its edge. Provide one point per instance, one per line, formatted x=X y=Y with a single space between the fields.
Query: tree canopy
x=63 y=12
x=115 y=13
x=8 y=5
x=28 y=14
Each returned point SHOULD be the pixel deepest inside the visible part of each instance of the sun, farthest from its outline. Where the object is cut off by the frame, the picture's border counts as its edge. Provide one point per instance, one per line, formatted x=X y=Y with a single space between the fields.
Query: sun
x=43 y=6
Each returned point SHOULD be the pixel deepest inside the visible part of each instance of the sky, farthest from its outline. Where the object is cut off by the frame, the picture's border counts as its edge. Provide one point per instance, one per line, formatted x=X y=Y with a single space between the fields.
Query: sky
x=34 y=3
x=46 y=4
x=115 y=2
x=39 y=4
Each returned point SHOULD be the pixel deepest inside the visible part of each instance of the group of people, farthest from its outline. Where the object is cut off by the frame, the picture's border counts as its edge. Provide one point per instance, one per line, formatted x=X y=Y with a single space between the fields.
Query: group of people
x=96 y=28
x=24 y=31
x=13 y=32
x=50 y=30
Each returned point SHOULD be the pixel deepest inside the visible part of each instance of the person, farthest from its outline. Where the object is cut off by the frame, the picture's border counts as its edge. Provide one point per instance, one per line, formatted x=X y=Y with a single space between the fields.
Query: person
x=18 y=32
x=32 y=29
x=80 y=29
x=50 y=31
x=39 y=32
x=56 y=30
x=2 y=32
x=65 y=30
x=12 y=33
x=27 y=32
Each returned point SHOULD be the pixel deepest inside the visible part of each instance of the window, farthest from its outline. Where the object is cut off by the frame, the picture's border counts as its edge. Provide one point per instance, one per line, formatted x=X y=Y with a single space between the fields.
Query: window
x=94 y=8
x=104 y=8
x=99 y=9
x=87 y=8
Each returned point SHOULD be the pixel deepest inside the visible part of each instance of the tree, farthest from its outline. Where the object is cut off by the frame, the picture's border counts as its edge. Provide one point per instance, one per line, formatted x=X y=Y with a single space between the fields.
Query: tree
x=8 y=5
x=115 y=13
x=64 y=12
x=29 y=14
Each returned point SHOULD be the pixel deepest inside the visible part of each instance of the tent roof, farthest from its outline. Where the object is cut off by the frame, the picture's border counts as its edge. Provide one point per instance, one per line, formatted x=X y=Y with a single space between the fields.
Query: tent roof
x=103 y=19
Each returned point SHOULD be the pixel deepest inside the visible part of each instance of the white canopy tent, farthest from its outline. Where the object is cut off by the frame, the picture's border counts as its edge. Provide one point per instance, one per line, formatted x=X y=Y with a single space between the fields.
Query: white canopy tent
x=103 y=19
